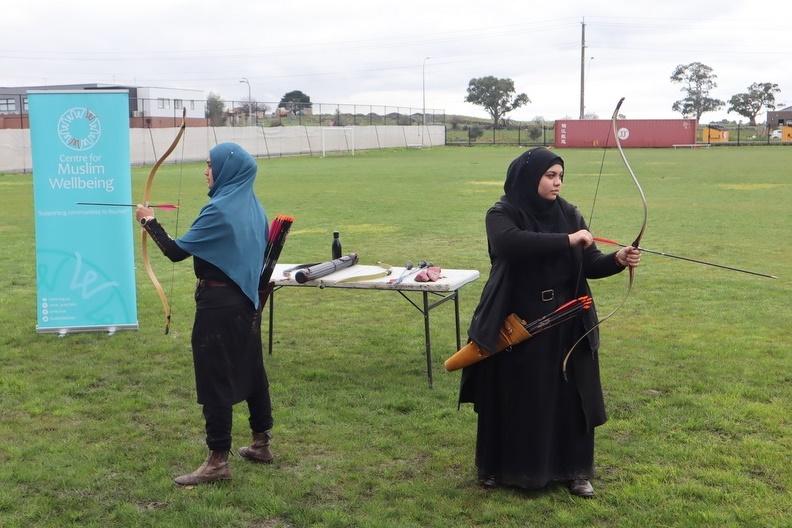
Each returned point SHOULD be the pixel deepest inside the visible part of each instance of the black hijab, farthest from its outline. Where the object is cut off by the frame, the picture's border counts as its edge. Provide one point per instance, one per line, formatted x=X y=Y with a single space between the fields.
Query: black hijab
x=522 y=184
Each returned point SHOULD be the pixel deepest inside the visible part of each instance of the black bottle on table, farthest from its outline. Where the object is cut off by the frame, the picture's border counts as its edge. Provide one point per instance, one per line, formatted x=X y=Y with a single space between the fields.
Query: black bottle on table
x=336 y=246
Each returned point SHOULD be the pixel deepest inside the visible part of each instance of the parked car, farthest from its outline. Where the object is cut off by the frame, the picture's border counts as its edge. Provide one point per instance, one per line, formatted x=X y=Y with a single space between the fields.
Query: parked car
x=775 y=134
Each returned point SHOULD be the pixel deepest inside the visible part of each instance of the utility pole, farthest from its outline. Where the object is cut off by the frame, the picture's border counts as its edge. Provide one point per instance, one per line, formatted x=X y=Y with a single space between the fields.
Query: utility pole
x=250 y=101
x=423 y=90
x=583 y=68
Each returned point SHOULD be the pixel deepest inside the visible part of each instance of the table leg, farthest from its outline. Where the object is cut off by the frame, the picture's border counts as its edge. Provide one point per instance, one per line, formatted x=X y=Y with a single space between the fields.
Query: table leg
x=427 y=334
x=456 y=316
x=425 y=309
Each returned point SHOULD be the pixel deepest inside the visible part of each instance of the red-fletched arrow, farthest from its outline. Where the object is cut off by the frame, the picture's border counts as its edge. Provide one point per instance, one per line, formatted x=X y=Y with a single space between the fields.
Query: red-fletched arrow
x=278 y=231
x=563 y=313
x=164 y=207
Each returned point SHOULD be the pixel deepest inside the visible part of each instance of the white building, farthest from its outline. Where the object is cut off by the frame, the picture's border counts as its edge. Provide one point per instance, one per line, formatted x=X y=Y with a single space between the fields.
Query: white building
x=149 y=107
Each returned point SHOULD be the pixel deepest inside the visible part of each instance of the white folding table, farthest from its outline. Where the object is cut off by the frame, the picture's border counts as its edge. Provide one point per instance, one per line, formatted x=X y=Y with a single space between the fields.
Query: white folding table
x=444 y=289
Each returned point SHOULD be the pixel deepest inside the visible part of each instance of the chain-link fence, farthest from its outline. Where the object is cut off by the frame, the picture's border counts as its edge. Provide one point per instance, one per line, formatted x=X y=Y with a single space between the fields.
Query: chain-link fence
x=738 y=134
x=481 y=133
x=459 y=132
x=272 y=114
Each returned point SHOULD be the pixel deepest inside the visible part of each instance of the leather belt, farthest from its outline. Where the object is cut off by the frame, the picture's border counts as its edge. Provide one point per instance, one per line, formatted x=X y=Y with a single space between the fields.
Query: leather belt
x=203 y=283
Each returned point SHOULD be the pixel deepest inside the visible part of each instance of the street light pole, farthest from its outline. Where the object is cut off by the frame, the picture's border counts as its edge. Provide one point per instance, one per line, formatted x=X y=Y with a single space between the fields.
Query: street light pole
x=423 y=89
x=250 y=101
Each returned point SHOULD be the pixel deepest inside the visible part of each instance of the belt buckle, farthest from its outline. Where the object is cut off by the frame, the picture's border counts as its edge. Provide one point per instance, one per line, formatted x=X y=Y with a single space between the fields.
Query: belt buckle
x=548 y=295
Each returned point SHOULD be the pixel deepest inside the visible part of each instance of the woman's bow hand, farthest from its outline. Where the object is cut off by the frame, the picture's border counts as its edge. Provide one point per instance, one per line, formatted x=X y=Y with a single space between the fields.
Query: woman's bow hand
x=628 y=257
x=144 y=212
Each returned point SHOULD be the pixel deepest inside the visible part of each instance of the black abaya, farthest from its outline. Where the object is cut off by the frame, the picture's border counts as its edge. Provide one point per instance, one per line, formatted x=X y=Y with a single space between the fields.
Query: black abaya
x=535 y=426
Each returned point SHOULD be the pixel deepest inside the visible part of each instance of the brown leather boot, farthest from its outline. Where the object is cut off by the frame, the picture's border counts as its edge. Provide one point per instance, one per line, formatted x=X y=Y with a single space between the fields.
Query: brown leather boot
x=258 y=450
x=214 y=468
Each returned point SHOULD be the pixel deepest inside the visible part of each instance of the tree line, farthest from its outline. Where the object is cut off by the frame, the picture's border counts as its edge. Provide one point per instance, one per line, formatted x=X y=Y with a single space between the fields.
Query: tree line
x=498 y=97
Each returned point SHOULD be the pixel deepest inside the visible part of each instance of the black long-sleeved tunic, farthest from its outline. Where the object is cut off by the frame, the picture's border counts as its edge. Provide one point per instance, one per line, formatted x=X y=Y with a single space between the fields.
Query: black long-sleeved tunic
x=226 y=334
x=535 y=427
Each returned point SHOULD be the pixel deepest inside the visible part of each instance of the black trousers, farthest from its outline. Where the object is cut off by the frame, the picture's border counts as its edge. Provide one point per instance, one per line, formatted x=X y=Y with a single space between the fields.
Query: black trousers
x=219 y=420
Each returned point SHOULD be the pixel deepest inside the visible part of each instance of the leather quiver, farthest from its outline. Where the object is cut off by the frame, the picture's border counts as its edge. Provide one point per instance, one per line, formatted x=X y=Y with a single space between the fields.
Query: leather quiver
x=511 y=333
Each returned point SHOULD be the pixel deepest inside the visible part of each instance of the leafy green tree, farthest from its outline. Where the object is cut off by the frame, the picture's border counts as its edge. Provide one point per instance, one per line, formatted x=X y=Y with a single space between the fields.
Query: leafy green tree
x=497 y=96
x=750 y=104
x=215 y=110
x=698 y=80
x=536 y=131
x=475 y=132
x=295 y=102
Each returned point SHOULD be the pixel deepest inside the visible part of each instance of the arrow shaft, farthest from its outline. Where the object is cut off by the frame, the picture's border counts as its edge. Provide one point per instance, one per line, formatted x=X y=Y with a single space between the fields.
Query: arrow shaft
x=160 y=206
x=678 y=257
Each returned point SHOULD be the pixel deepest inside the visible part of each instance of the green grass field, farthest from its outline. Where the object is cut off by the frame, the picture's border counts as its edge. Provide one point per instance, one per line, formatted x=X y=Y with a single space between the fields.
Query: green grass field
x=696 y=366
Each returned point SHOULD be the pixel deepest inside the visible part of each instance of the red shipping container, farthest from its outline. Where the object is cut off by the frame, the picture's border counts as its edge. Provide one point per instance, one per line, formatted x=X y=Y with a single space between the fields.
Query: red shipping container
x=598 y=133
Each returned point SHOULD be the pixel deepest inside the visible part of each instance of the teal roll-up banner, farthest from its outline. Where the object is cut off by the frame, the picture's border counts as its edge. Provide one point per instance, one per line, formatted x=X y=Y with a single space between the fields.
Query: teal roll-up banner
x=85 y=270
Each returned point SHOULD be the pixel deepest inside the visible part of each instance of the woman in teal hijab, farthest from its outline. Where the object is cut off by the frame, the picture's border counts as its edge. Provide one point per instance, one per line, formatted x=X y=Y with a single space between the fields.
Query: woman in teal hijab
x=227 y=242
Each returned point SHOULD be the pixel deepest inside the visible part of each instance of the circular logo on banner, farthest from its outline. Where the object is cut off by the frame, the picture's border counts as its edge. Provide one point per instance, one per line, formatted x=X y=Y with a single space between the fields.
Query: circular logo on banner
x=79 y=128
x=623 y=133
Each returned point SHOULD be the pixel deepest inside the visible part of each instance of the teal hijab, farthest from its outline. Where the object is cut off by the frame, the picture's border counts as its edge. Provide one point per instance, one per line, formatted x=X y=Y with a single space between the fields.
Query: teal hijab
x=231 y=229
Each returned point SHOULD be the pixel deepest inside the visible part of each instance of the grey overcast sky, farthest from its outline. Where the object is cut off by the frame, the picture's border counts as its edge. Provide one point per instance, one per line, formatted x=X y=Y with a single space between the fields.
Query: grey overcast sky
x=374 y=53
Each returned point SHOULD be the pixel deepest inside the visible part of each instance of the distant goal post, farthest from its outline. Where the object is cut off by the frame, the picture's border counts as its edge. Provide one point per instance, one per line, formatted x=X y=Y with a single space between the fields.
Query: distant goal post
x=338 y=139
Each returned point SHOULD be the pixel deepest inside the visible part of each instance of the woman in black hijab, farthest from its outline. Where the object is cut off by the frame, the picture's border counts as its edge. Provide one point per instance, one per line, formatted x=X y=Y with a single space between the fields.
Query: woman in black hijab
x=536 y=426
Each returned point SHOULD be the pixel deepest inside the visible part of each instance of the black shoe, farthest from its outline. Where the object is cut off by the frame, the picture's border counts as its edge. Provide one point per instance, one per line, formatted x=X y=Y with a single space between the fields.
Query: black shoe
x=581 y=488
x=488 y=482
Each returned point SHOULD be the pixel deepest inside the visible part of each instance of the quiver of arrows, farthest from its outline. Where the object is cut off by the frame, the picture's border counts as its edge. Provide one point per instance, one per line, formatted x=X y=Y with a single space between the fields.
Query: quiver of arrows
x=516 y=330
x=279 y=229
x=512 y=332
